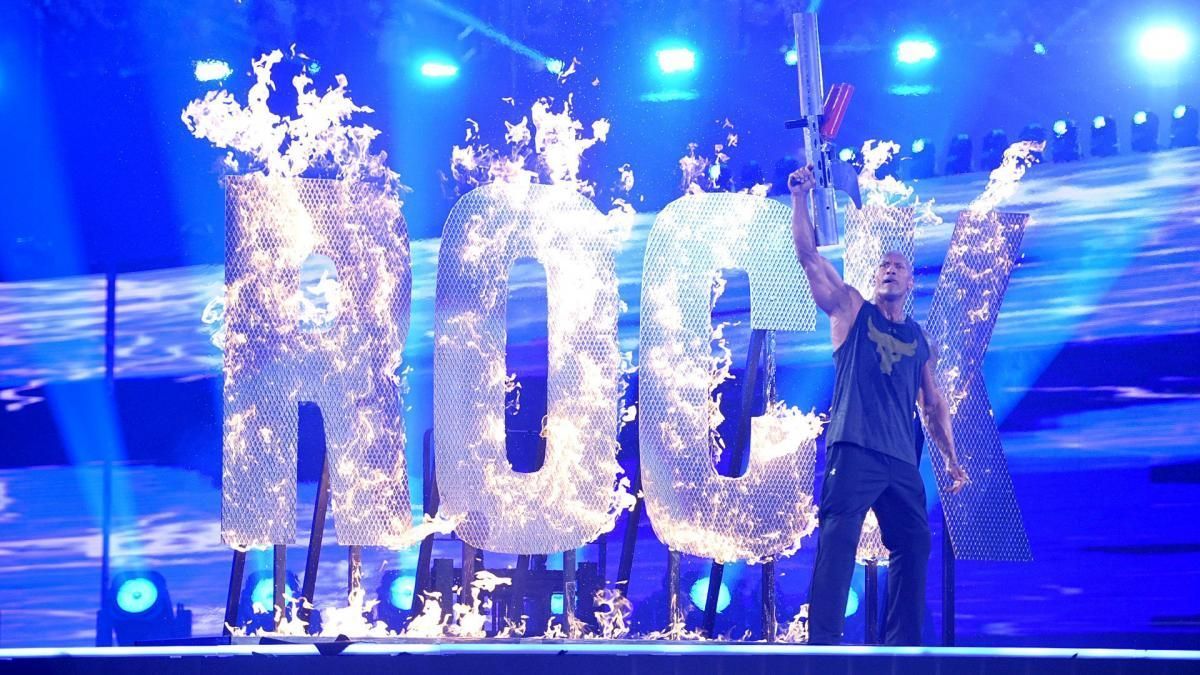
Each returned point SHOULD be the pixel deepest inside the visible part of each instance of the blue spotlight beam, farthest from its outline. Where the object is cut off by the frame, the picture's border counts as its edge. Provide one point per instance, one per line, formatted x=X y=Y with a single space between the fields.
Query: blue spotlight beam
x=486 y=30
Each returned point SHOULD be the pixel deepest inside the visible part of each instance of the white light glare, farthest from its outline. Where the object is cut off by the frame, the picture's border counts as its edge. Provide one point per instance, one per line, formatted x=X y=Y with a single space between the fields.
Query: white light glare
x=676 y=60
x=790 y=57
x=438 y=70
x=1098 y=122
x=212 y=70
x=1164 y=44
x=1139 y=117
x=915 y=50
x=1179 y=112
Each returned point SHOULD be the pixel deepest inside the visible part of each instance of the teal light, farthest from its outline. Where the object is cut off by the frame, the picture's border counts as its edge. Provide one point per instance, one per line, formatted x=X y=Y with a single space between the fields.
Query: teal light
x=1139 y=117
x=918 y=146
x=555 y=66
x=401 y=592
x=1098 y=122
x=1179 y=112
x=1060 y=127
x=790 y=57
x=439 y=69
x=1039 y=49
x=556 y=603
x=846 y=154
x=699 y=595
x=264 y=594
x=135 y=596
x=851 y=603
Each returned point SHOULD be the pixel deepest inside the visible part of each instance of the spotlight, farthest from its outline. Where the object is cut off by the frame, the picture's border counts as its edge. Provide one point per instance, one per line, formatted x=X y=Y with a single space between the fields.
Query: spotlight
x=1065 y=146
x=699 y=595
x=212 y=70
x=791 y=57
x=555 y=66
x=992 y=152
x=395 y=594
x=673 y=60
x=847 y=154
x=1104 y=136
x=1039 y=49
x=557 y=602
x=139 y=610
x=914 y=50
x=1164 y=44
x=920 y=164
x=256 y=608
x=1184 y=133
x=1144 y=131
x=958 y=160
x=1036 y=133
x=436 y=69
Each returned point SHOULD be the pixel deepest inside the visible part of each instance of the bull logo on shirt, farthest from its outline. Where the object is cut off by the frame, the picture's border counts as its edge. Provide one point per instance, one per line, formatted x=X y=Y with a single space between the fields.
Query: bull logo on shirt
x=890 y=348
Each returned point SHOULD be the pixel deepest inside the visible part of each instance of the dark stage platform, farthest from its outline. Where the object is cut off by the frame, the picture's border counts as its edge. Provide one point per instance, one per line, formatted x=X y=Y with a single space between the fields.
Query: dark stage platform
x=582 y=658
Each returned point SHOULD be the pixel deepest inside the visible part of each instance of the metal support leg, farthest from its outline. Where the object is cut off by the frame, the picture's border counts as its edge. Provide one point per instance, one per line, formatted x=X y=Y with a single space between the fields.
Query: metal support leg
x=947 y=587
x=769 y=623
x=279 y=581
x=466 y=592
x=354 y=571
x=715 y=576
x=569 y=585
x=871 y=590
x=625 y=564
x=316 y=538
x=236 y=574
x=675 y=615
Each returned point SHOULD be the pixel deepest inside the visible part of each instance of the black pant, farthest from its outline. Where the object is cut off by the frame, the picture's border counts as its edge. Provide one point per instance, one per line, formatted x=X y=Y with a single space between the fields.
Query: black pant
x=857 y=479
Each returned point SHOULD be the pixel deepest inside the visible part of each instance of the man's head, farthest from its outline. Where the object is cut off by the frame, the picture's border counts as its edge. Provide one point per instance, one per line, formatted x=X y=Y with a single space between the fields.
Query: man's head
x=893 y=278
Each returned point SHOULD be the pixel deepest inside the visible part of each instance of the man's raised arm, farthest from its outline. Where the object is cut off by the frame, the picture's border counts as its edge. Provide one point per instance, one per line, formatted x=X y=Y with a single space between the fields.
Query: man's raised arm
x=832 y=294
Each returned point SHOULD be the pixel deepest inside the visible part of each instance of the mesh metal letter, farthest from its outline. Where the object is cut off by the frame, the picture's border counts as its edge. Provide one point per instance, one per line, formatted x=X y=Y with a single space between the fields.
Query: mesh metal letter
x=575 y=496
x=349 y=367
x=765 y=513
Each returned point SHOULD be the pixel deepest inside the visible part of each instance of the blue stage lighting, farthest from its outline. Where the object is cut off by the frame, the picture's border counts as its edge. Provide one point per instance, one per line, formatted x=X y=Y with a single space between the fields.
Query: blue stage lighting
x=1144 y=131
x=1165 y=43
x=921 y=163
x=1039 y=49
x=958 y=159
x=439 y=70
x=918 y=145
x=212 y=70
x=911 y=51
x=136 y=595
x=401 y=592
x=1104 y=136
x=992 y=152
x=699 y=595
x=555 y=66
x=314 y=67
x=263 y=594
x=556 y=603
x=1060 y=127
x=1185 y=127
x=851 y=603
x=846 y=154
x=1065 y=146
x=791 y=57
x=675 y=60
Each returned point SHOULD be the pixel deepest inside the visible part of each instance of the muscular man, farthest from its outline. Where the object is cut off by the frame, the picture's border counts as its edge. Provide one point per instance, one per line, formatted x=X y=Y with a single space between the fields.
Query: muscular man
x=884 y=371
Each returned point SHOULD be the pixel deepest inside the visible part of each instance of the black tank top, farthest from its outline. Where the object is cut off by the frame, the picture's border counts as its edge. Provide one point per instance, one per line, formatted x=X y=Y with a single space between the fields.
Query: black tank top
x=878 y=374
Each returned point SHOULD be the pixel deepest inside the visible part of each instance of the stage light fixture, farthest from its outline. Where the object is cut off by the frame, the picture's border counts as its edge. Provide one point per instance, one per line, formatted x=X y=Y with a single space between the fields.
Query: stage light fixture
x=958 y=159
x=1184 y=132
x=851 y=603
x=699 y=595
x=1039 y=49
x=914 y=50
x=847 y=154
x=259 y=590
x=1143 y=131
x=1036 y=133
x=791 y=57
x=395 y=595
x=921 y=162
x=1164 y=44
x=1065 y=146
x=556 y=603
x=673 y=60
x=139 y=610
x=1104 y=136
x=555 y=66
x=992 y=151
x=438 y=69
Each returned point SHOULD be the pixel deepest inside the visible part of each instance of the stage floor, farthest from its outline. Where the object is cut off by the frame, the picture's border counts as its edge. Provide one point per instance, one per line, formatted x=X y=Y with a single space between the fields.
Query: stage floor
x=530 y=657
